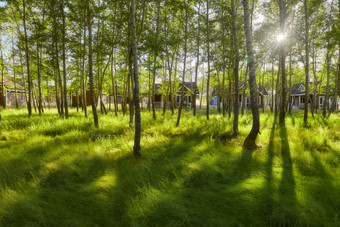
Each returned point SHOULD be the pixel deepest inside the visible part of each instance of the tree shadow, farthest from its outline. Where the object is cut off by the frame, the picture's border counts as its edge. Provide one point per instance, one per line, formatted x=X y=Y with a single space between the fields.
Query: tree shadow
x=287 y=185
x=267 y=200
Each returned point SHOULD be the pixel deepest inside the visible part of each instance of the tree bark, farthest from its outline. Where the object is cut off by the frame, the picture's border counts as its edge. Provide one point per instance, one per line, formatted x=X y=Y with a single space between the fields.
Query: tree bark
x=236 y=68
x=93 y=101
x=29 y=107
x=184 y=64
x=305 y=116
x=197 y=58
x=64 y=60
x=208 y=53
x=154 y=63
x=282 y=116
x=249 y=142
x=136 y=147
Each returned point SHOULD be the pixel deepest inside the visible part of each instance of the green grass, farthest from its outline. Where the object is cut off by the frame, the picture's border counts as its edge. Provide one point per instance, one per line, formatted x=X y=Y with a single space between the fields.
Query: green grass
x=56 y=172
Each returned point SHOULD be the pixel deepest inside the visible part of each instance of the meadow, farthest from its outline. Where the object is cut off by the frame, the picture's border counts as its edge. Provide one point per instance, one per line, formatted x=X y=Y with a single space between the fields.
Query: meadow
x=58 y=172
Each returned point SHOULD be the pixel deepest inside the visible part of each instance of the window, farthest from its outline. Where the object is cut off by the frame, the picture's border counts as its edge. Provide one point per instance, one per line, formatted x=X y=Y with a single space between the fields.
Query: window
x=248 y=100
x=321 y=100
x=177 y=98
x=22 y=97
x=189 y=98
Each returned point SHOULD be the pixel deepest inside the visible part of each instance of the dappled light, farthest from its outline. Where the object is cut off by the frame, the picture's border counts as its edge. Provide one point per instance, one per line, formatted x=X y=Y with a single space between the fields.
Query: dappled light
x=89 y=176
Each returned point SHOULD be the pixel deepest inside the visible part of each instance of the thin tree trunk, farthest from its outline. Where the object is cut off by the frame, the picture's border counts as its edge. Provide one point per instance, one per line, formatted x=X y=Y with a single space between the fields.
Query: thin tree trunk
x=249 y=142
x=29 y=107
x=2 y=77
x=155 y=63
x=290 y=106
x=208 y=53
x=277 y=89
x=236 y=68
x=94 y=110
x=328 y=62
x=149 y=93
x=136 y=147
x=64 y=60
x=197 y=57
x=83 y=73
x=282 y=116
x=244 y=91
x=202 y=90
x=305 y=116
x=184 y=64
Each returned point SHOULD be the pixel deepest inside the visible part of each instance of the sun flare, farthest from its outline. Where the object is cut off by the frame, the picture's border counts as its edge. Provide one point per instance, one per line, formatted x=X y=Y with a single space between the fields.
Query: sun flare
x=280 y=37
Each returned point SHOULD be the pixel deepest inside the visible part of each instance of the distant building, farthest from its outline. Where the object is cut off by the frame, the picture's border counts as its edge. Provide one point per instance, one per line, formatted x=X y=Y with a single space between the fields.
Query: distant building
x=9 y=94
x=189 y=95
x=297 y=96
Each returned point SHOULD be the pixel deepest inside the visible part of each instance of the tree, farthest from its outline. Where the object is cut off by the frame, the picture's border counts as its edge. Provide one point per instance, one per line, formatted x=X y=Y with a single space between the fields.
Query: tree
x=236 y=66
x=136 y=147
x=184 y=64
x=305 y=116
x=282 y=6
x=93 y=101
x=249 y=142
x=208 y=56
x=27 y=63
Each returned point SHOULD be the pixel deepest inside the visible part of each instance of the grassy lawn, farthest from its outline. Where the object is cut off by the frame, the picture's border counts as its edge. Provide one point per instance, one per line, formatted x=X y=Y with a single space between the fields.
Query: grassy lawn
x=56 y=172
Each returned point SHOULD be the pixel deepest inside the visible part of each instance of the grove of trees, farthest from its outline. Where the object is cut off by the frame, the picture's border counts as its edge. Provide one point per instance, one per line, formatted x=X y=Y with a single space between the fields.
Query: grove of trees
x=62 y=48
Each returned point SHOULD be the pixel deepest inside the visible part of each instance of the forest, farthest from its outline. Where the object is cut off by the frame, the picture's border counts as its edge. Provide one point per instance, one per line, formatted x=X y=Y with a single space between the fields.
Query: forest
x=170 y=113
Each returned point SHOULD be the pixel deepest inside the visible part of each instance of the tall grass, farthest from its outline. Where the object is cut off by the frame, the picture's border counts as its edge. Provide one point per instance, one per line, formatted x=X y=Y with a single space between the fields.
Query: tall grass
x=58 y=172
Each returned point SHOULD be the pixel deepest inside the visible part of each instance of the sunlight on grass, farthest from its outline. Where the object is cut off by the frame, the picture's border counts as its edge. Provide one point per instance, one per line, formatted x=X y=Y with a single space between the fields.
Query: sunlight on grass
x=58 y=172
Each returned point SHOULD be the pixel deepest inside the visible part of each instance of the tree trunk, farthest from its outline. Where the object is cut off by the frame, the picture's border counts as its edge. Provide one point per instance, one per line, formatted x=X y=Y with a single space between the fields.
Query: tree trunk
x=249 y=142
x=2 y=77
x=282 y=116
x=83 y=73
x=184 y=64
x=136 y=147
x=236 y=67
x=277 y=89
x=154 y=63
x=290 y=101
x=244 y=91
x=197 y=58
x=39 y=82
x=29 y=107
x=64 y=60
x=325 y=103
x=305 y=116
x=94 y=110
x=149 y=94
x=272 y=104
x=208 y=53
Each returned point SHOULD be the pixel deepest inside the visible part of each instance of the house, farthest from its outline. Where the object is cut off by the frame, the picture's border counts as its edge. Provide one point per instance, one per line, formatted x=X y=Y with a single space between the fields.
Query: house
x=74 y=99
x=189 y=98
x=262 y=94
x=297 y=96
x=9 y=94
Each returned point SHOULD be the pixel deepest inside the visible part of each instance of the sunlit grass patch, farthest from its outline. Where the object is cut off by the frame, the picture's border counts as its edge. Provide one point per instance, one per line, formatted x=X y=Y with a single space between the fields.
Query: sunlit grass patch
x=65 y=172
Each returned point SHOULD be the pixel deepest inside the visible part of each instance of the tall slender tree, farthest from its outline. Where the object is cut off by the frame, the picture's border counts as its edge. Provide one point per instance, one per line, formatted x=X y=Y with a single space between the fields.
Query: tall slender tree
x=305 y=116
x=249 y=142
x=93 y=100
x=282 y=7
x=208 y=57
x=136 y=147
x=184 y=64
x=236 y=68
